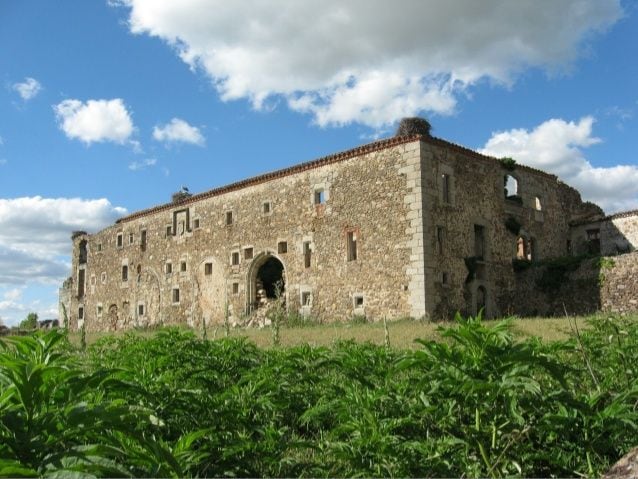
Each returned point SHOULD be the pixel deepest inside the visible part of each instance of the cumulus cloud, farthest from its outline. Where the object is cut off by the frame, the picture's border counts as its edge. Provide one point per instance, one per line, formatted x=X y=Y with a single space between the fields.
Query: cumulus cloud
x=95 y=120
x=557 y=146
x=35 y=235
x=177 y=130
x=28 y=89
x=142 y=165
x=368 y=61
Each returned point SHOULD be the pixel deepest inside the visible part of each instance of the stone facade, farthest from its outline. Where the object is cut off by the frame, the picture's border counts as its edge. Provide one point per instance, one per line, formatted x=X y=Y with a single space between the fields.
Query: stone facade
x=611 y=235
x=408 y=226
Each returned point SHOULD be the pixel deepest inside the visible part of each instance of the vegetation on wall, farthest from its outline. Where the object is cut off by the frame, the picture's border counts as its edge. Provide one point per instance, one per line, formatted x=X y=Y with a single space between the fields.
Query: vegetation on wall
x=508 y=163
x=478 y=404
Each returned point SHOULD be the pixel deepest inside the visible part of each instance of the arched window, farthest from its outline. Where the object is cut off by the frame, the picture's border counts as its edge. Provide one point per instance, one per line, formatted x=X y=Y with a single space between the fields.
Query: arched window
x=511 y=186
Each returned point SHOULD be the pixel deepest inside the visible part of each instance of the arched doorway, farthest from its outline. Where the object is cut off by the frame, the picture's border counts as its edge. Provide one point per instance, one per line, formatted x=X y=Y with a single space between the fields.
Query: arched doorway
x=266 y=281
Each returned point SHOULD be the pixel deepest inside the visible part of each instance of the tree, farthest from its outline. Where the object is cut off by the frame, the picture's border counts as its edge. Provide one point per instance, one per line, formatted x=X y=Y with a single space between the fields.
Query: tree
x=30 y=322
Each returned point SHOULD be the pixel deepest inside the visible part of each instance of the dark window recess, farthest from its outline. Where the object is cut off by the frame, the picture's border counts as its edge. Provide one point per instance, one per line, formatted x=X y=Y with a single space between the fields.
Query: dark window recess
x=196 y=223
x=120 y=240
x=479 y=242
x=307 y=254
x=143 y=239
x=169 y=231
x=182 y=266
x=81 y=280
x=444 y=278
x=266 y=207
x=208 y=269
x=248 y=253
x=80 y=312
x=235 y=288
x=439 y=239
x=352 y=245
x=140 y=310
x=593 y=241
x=305 y=298
x=320 y=197
x=131 y=238
x=229 y=218
x=282 y=247
x=358 y=301
x=99 y=246
x=168 y=267
x=176 y=295
x=445 y=188
x=125 y=273
x=83 y=252
x=234 y=258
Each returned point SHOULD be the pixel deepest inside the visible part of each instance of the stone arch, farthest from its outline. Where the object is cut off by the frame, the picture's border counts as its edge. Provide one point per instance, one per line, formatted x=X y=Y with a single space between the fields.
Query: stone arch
x=269 y=269
x=210 y=291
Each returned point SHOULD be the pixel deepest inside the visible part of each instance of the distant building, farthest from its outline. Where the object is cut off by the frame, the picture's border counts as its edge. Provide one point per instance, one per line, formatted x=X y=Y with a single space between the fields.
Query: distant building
x=408 y=226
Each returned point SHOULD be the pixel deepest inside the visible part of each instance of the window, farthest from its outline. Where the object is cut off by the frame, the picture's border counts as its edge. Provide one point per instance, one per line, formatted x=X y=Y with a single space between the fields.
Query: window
x=537 y=203
x=196 y=223
x=208 y=269
x=282 y=247
x=320 y=196
x=266 y=207
x=140 y=310
x=125 y=272
x=229 y=218
x=169 y=231
x=234 y=258
x=248 y=253
x=511 y=186
x=306 y=298
x=120 y=240
x=440 y=232
x=182 y=266
x=175 y=295
x=307 y=254
x=352 y=245
x=358 y=301
x=143 y=239
x=168 y=267
x=235 y=288
x=81 y=312
x=593 y=240
x=479 y=242
x=98 y=310
x=445 y=188
x=444 y=278
x=131 y=238
x=81 y=280
x=99 y=246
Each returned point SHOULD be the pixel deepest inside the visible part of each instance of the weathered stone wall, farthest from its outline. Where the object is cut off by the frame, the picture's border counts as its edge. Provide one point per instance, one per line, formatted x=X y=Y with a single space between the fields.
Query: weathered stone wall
x=617 y=234
x=373 y=195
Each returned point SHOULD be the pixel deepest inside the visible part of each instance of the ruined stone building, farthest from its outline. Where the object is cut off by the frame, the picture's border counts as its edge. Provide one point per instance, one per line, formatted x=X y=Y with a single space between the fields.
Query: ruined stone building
x=410 y=226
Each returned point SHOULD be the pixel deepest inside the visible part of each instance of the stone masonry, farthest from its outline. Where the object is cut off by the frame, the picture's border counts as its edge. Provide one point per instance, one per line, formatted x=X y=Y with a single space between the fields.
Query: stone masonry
x=411 y=226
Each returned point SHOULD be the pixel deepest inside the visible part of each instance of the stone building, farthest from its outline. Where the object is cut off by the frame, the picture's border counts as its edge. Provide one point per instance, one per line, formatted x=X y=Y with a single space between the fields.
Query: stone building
x=410 y=226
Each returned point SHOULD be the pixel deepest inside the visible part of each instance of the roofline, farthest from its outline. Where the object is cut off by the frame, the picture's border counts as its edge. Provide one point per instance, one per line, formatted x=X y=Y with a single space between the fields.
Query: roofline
x=615 y=216
x=323 y=161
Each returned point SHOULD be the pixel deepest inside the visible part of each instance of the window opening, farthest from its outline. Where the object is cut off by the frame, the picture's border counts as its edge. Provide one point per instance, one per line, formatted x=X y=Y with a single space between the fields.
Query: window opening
x=168 y=268
x=593 y=240
x=358 y=301
x=83 y=252
x=143 y=239
x=320 y=196
x=234 y=259
x=521 y=252
x=305 y=298
x=248 y=253
x=444 y=278
x=103 y=277
x=81 y=280
x=229 y=218
x=537 y=203
x=479 y=242
x=182 y=266
x=120 y=240
x=445 y=188
x=235 y=288
x=140 y=310
x=282 y=247
x=196 y=223
x=208 y=269
x=99 y=246
x=125 y=273
x=98 y=310
x=169 y=231
x=266 y=207
x=131 y=238
x=307 y=254
x=175 y=295
x=511 y=186
x=80 y=312
x=352 y=245
x=439 y=239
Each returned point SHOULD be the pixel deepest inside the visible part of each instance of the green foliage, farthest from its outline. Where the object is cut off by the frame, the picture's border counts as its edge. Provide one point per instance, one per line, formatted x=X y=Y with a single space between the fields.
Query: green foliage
x=30 y=322
x=477 y=404
x=512 y=225
x=556 y=272
x=508 y=163
x=520 y=265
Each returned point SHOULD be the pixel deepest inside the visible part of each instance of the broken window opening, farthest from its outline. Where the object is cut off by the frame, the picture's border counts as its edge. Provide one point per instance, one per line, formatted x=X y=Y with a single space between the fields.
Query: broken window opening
x=352 y=245
x=270 y=280
x=307 y=254
x=82 y=257
x=479 y=242
x=510 y=186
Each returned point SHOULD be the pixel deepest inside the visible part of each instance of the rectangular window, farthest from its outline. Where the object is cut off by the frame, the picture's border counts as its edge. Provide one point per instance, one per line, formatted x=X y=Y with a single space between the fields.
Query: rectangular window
x=266 y=207
x=143 y=239
x=140 y=310
x=235 y=288
x=175 y=295
x=80 y=312
x=229 y=218
x=182 y=266
x=169 y=231
x=305 y=298
x=282 y=247
x=168 y=268
x=352 y=245
x=234 y=258
x=358 y=301
x=445 y=188
x=131 y=238
x=444 y=278
x=439 y=239
x=81 y=280
x=98 y=310
x=479 y=242
x=196 y=223
x=320 y=196
x=307 y=254
x=125 y=272
x=99 y=246
x=120 y=240
x=208 y=269
x=248 y=253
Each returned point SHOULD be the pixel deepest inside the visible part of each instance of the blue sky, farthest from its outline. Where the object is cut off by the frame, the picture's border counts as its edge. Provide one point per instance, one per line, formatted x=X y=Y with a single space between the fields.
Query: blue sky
x=108 y=107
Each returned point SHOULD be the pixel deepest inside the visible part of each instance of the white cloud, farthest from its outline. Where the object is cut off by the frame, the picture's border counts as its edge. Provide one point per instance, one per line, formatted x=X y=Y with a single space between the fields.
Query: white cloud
x=28 y=89
x=368 y=61
x=95 y=120
x=142 y=165
x=35 y=235
x=177 y=130
x=556 y=146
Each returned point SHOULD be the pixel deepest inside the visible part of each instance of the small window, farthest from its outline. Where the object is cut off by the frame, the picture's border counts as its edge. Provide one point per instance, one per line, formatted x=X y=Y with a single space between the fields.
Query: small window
x=169 y=231
x=511 y=186
x=234 y=258
x=444 y=278
x=229 y=218
x=445 y=188
x=352 y=245
x=182 y=266
x=282 y=247
x=168 y=268
x=358 y=301
x=196 y=223
x=307 y=254
x=125 y=272
x=98 y=310
x=266 y=207
x=131 y=238
x=99 y=246
x=306 y=298
x=175 y=295
x=208 y=269
x=479 y=242
x=248 y=253
x=235 y=288
x=537 y=203
x=143 y=238
x=320 y=196
x=440 y=233
x=140 y=310
x=80 y=312
x=120 y=240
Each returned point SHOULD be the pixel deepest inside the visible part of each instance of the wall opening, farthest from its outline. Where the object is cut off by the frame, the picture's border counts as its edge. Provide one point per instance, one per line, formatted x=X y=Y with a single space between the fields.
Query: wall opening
x=307 y=254
x=83 y=252
x=351 y=239
x=481 y=301
x=511 y=186
x=479 y=242
x=270 y=278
